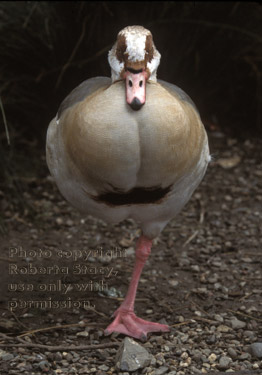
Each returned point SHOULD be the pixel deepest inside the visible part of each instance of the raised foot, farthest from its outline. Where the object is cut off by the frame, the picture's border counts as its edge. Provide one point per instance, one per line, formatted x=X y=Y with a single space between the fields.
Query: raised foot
x=129 y=324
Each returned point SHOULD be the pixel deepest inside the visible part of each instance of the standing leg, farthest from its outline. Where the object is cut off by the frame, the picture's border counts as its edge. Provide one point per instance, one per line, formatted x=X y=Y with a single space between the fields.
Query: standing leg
x=125 y=319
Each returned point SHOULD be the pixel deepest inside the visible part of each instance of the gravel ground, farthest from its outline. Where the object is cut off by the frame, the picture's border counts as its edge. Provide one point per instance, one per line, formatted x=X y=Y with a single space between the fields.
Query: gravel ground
x=203 y=278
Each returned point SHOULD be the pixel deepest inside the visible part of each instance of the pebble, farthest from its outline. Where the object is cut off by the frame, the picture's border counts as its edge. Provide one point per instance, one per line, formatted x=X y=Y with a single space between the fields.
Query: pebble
x=256 y=349
x=69 y=357
x=224 y=362
x=194 y=370
x=184 y=355
x=249 y=334
x=131 y=356
x=232 y=353
x=222 y=328
x=237 y=324
x=21 y=365
x=244 y=356
x=59 y=221
x=186 y=363
x=195 y=268
x=161 y=370
x=58 y=357
x=103 y=368
x=7 y=357
x=219 y=318
x=82 y=334
x=212 y=358
x=44 y=366
x=211 y=339
x=149 y=311
x=173 y=283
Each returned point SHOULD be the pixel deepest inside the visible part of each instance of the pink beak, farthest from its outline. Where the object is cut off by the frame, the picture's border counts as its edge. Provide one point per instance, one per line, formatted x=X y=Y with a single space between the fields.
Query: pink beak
x=136 y=89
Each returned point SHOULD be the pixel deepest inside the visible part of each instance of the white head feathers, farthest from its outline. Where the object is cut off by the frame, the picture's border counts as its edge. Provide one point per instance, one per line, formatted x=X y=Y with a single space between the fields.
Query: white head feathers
x=134 y=47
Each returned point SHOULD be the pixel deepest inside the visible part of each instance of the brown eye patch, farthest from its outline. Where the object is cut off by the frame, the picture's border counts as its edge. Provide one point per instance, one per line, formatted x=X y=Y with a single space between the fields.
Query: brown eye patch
x=149 y=48
x=120 y=47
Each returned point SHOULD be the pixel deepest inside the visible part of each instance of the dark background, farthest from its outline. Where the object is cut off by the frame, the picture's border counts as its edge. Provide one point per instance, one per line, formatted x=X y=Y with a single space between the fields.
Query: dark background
x=210 y=50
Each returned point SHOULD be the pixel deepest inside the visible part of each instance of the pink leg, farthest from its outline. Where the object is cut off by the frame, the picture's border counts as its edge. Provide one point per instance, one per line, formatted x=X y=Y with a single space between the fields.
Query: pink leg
x=126 y=321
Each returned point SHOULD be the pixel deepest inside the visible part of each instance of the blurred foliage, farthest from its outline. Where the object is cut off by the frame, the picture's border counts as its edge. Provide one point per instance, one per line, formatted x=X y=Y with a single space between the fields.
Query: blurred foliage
x=211 y=50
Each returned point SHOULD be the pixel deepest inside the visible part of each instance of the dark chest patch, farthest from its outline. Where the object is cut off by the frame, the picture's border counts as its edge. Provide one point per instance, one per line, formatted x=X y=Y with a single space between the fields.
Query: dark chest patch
x=137 y=195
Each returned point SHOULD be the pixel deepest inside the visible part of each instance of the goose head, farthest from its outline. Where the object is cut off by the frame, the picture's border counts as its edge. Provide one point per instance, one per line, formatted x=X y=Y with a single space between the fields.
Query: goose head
x=135 y=59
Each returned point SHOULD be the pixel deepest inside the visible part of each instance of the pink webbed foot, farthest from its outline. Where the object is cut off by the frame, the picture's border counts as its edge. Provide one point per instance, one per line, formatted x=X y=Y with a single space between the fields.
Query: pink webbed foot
x=129 y=324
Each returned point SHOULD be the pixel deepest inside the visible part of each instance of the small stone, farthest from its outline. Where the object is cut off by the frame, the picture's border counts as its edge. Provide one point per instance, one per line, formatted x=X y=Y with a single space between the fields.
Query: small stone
x=250 y=335
x=206 y=351
x=232 y=353
x=224 y=362
x=21 y=365
x=44 y=366
x=159 y=340
x=219 y=318
x=173 y=283
x=161 y=370
x=212 y=339
x=130 y=251
x=212 y=358
x=69 y=357
x=153 y=361
x=237 y=324
x=184 y=355
x=195 y=268
x=256 y=349
x=244 y=356
x=103 y=368
x=82 y=334
x=58 y=357
x=185 y=363
x=213 y=279
x=222 y=328
x=69 y=223
x=198 y=313
x=21 y=350
x=131 y=356
x=184 y=262
x=2 y=352
x=28 y=368
x=194 y=369
x=229 y=162
x=7 y=357
x=59 y=221
x=217 y=264
x=184 y=338
x=84 y=370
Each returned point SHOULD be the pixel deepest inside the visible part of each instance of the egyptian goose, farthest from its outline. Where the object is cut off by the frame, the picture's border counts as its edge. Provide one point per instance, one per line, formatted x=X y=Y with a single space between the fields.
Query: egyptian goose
x=129 y=147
